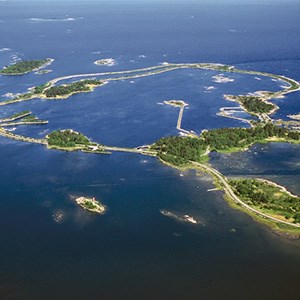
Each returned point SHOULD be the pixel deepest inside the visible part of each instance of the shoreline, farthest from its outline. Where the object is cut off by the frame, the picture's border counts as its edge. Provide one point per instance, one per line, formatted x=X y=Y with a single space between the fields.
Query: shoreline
x=294 y=117
x=281 y=187
x=46 y=64
x=291 y=231
x=91 y=204
x=105 y=62
x=138 y=73
x=221 y=183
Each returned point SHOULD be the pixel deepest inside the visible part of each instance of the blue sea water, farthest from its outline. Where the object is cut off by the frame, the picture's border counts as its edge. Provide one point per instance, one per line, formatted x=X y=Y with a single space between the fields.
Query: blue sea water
x=51 y=248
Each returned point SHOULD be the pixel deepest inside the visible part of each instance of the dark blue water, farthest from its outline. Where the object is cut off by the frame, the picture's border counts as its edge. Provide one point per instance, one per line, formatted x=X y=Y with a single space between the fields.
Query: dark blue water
x=52 y=249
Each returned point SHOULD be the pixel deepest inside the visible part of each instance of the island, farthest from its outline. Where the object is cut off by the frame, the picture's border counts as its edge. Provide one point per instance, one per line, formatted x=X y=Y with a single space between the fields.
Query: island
x=105 y=62
x=26 y=66
x=63 y=91
x=176 y=103
x=189 y=150
x=67 y=139
x=66 y=90
x=222 y=79
x=41 y=72
x=91 y=204
x=71 y=140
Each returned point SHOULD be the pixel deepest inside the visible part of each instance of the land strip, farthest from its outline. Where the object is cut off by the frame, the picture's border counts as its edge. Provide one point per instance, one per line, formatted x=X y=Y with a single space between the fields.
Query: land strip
x=235 y=198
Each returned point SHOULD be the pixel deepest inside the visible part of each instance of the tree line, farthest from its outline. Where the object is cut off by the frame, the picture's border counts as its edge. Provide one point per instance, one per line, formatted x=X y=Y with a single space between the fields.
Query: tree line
x=255 y=104
x=223 y=139
x=67 y=89
x=179 y=150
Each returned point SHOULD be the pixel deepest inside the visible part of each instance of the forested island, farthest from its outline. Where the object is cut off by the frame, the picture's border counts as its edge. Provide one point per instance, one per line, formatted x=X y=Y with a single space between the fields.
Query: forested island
x=91 y=204
x=26 y=66
x=67 y=139
x=253 y=104
x=65 y=90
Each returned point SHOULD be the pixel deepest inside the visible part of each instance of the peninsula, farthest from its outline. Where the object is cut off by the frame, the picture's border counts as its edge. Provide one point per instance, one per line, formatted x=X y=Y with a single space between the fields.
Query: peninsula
x=181 y=104
x=268 y=198
x=253 y=104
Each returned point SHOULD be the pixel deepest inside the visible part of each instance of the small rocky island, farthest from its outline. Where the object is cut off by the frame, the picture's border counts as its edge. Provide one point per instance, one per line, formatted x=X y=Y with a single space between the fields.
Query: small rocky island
x=184 y=218
x=176 y=103
x=91 y=204
x=105 y=62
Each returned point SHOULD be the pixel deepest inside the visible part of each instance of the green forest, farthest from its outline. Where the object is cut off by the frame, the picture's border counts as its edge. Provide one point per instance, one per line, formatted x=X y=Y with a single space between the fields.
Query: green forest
x=226 y=139
x=67 y=139
x=268 y=198
x=23 y=67
x=67 y=89
x=179 y=150
x=255 y=105
x=40 y=88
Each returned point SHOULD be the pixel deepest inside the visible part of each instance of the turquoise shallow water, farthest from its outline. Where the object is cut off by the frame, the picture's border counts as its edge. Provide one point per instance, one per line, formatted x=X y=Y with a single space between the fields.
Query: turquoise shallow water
x=52 y=249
